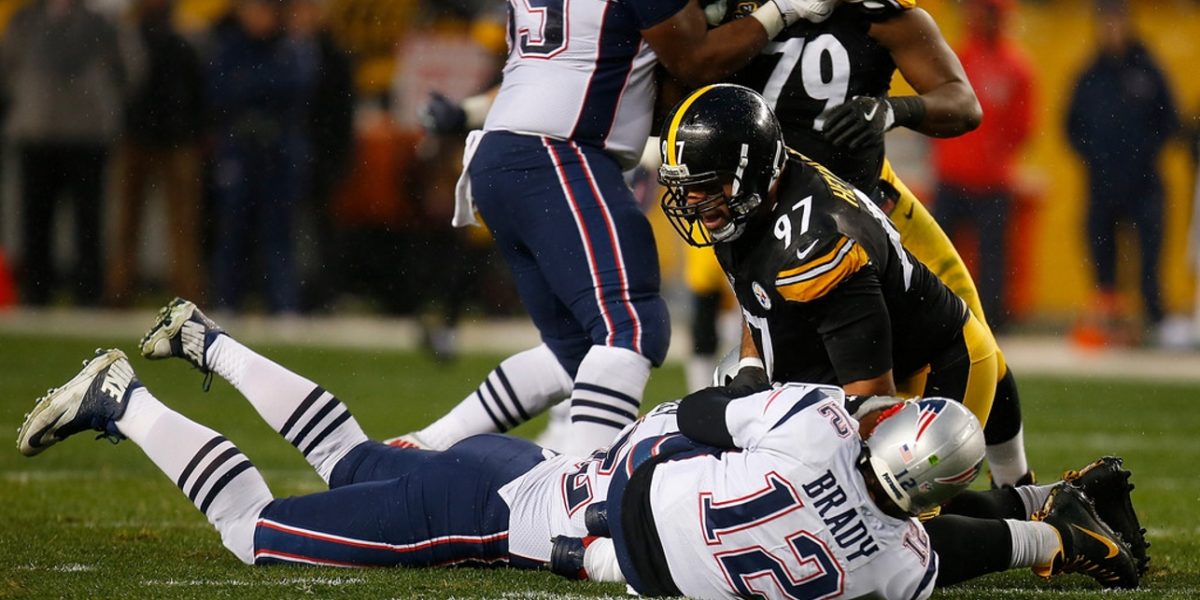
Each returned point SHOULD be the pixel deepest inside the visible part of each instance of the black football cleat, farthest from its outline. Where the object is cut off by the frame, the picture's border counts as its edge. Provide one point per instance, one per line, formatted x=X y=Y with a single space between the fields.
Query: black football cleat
x=1089 y=546
x=1106 y=482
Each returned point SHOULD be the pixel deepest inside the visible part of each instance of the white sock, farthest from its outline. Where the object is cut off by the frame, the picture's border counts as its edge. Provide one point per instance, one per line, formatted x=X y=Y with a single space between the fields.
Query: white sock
x=600 y=561
x=1007 y=460
x=521 y=387
x=699 y=371
x=209 y=469
x=607 y=395
x=1034 y=496
x=558 y=427
x=308 y=417
x=1034 y=543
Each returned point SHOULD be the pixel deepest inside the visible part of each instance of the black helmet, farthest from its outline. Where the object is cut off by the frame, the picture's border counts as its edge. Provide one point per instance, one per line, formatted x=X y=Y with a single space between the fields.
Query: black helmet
x=719 y=133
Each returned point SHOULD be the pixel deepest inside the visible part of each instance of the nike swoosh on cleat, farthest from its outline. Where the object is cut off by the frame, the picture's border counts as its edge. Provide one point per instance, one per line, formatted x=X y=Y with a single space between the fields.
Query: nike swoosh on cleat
x=867 y=116
x=35 y=440
x=909 y=214
x=1112 y=547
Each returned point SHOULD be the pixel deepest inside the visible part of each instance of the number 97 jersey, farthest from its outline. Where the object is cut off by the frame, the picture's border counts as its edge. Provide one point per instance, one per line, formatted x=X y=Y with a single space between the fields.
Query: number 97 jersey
x=789 y=516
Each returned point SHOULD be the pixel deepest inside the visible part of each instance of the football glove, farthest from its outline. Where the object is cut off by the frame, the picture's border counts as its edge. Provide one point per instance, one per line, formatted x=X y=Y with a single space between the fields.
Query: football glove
x=859 y=123
x=748 y=380
x=443 y=116
x=809 y=10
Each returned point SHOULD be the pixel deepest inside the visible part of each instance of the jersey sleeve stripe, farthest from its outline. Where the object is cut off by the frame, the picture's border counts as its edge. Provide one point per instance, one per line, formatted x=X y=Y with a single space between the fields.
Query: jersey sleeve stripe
x=825 y=260
x=930 y=572
x=817 y=282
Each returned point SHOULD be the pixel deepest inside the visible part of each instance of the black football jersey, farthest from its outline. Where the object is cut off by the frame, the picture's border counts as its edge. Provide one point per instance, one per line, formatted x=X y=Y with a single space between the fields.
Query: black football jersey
x=829 y=293
x=811 y=67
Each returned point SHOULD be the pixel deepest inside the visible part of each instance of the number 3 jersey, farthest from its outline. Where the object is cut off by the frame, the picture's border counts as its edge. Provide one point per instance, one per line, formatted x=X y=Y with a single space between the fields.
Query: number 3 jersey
x=580 y=70
x=785 y=514
x=829 y=294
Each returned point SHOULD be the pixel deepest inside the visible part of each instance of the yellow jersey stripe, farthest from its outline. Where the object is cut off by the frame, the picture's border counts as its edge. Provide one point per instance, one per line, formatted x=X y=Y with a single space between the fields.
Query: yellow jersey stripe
x=813 y=285
x=839 y=249
x=672 y=159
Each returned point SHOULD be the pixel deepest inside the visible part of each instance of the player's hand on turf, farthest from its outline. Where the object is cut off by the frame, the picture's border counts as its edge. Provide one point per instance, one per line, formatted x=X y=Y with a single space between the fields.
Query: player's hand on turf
x=443 y=116
x=859 y=123
x=809 y=10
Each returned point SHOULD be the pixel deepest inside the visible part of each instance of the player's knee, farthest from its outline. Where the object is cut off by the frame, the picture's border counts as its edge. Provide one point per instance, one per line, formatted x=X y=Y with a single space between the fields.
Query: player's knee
x=238 y=531
x=641 y=325
x=656 y=329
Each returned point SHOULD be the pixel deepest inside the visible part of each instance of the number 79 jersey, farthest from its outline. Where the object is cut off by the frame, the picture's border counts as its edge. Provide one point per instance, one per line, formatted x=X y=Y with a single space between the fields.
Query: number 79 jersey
x=579 y=70
x=813 y=67
x=788 y=516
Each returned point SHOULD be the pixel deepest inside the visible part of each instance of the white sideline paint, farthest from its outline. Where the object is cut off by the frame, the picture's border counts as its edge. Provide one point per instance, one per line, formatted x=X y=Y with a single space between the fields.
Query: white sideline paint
x=1040 y=355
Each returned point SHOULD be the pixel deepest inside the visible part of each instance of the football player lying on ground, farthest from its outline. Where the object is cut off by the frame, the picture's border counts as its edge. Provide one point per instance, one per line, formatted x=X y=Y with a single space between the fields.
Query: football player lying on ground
x=774 y=489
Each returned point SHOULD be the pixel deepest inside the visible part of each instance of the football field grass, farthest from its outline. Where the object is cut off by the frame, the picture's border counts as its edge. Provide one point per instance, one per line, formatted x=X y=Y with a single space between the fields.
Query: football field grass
x=90 y=520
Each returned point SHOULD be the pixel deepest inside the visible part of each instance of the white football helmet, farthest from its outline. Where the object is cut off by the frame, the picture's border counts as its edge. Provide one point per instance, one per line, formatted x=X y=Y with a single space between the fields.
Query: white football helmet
x=926 y=452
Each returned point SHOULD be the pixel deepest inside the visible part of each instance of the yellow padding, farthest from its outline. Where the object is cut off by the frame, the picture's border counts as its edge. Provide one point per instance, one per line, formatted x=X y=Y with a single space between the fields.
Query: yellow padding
x=985 y=369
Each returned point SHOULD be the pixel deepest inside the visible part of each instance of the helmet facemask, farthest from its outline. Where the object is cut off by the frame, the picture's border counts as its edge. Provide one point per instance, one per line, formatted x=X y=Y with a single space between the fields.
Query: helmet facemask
x=688 y=217
x=724 y=145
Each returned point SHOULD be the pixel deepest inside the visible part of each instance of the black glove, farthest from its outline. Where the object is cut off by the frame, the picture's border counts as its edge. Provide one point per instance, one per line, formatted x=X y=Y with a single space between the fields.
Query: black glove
x=442 y=116
x=749 y=380
x=859 y=123
x=566 y=556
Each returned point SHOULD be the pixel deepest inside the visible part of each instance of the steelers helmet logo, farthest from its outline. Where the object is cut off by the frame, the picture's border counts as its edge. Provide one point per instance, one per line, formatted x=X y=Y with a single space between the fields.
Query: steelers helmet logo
x=761 y=295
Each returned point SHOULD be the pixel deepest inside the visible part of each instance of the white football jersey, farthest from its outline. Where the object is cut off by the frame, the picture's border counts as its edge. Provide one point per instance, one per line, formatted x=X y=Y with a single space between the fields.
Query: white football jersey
x=787 y=516
x=579 y=70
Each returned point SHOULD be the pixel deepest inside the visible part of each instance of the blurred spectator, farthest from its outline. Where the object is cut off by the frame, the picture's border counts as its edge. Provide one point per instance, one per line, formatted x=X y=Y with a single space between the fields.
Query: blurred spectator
x=260 y=80
x=331 y=136
x=976 y=171
x=1121 y=116
x=66 y=70
x=163 y=122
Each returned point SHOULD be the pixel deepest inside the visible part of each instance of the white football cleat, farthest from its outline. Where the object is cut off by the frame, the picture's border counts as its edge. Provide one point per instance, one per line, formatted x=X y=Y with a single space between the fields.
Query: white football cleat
x=181 y=331
x=94 y=399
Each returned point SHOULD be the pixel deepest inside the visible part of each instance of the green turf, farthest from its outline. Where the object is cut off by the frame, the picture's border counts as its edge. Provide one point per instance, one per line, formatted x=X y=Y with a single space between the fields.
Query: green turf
x=87 y=519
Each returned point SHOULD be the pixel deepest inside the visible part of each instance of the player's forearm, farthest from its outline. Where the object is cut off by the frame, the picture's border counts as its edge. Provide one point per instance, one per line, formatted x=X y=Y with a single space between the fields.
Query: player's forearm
x=882 y=385
x=950 y=110
x=749 y=350
x=724 y=50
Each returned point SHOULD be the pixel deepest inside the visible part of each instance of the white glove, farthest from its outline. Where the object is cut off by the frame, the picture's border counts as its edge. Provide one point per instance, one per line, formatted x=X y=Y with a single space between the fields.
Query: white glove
x=809 y=10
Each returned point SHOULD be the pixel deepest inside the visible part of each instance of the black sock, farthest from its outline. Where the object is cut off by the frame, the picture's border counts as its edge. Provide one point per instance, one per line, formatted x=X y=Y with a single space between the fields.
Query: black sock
x=968 y=548
x=1002 y=503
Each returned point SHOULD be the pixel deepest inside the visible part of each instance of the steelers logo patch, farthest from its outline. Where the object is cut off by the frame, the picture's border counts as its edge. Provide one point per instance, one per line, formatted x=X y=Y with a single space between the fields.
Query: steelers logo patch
x=761 y=295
